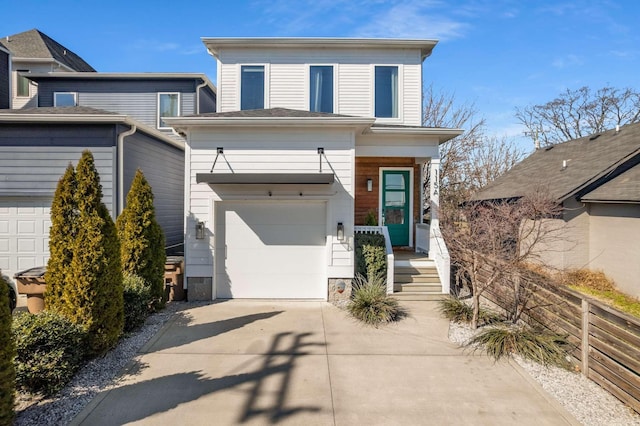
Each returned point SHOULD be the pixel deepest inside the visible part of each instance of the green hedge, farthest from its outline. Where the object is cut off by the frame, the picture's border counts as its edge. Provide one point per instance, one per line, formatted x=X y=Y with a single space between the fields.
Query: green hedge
x=7 y=353
x=50 y=349
x=371 y=258
x=138 y=302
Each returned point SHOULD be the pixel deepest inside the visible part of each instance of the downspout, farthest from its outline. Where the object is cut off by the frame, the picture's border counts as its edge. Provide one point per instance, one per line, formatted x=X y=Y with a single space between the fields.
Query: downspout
x=198 y=87
x=121 y=137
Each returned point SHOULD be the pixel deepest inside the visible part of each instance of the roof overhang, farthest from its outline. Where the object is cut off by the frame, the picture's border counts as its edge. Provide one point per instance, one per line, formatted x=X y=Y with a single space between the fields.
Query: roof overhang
x=184 y=123
x=118 y=76
x=89 y=119
x=265 y=178
x=214 y=45
x=442 y=134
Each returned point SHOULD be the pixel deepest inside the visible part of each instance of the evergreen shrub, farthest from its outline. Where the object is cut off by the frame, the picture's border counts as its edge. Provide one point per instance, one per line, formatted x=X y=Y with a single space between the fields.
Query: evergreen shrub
x=137 y=302
x=142 y=240
x=50 y=349
x=7 y=353
x=371 y=258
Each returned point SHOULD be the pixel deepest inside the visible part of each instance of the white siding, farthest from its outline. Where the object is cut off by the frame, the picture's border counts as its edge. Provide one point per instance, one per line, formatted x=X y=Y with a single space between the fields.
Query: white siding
x=32 y=100
x=289 y=151
x=288 y=81
x=35 y=171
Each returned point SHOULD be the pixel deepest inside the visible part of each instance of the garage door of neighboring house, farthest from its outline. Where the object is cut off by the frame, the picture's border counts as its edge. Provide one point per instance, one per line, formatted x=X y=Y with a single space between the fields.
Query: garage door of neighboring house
x=274 y=250
x=24 y=233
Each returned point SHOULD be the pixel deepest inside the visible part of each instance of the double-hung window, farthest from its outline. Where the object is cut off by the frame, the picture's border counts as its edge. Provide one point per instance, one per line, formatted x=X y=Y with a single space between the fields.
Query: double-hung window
x=251 y=87
x=168 y=106
x=65 y=99
x=386 y=91
x=321 y=88
x=23 y=84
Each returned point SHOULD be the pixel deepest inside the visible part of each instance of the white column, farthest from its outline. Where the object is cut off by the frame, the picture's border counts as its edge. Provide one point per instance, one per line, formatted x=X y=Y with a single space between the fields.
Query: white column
x=434 y=190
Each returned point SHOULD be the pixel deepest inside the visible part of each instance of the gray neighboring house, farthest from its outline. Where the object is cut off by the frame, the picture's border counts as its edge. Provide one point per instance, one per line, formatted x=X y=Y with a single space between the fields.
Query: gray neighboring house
x=35 y=52
x=5 y=78
x=37 y=144
x=597 y=181
x=146 y=97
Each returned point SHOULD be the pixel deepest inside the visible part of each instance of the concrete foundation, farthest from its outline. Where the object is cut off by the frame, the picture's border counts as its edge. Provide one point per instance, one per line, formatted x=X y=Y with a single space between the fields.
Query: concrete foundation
x=200 y=288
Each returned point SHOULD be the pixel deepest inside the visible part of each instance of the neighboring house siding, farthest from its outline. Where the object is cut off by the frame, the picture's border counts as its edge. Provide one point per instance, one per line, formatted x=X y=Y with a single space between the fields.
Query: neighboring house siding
x=34 y=171
x=207 y=101
x=288 y=152
x=163 y=167
x=354 y=77
x=615 y=243
x=5 y=81
x=32 y=100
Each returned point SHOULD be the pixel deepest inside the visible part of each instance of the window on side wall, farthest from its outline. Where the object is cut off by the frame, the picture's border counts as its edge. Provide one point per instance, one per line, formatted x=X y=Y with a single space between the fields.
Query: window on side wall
x=252 y=87
x=321 y=88
x=23 y=85
x=168 y=106
x=386 y=91
x=65 y=99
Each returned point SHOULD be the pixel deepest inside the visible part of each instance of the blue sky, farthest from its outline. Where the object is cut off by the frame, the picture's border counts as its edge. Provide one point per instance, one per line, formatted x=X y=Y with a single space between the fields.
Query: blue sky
x=500 y=54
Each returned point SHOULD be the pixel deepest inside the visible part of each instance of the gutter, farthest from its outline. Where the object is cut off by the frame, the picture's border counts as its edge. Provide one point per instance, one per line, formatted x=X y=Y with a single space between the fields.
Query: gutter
x=121 y=137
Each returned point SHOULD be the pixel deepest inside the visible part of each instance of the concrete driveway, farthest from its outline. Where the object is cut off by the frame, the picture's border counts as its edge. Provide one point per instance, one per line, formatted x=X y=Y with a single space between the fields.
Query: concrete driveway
x=308 y=363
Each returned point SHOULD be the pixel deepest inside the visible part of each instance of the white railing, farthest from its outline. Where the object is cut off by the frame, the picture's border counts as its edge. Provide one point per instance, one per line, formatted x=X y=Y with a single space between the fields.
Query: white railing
x=388 y=249
x=422 y=237
x=440 y=255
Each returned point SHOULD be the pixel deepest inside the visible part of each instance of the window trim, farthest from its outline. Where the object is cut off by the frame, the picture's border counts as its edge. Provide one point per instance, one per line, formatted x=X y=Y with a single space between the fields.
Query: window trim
x=75 y=97
x=158 y=117
x=267 y=70
x=18 y=77
x=334 y=68
x=400 y=100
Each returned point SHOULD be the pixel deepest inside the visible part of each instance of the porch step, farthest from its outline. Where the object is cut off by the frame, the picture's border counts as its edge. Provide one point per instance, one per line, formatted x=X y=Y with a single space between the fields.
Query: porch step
x=416 y=279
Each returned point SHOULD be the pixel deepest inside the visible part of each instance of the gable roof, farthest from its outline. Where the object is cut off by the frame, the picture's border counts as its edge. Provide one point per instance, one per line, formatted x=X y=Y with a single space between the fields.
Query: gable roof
x=34 y=45
x=569 y=168
x=624 y=188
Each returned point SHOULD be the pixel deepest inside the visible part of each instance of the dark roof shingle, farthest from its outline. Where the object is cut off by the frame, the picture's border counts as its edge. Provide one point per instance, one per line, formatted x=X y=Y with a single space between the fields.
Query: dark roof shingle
x=36 y=44
x=586 y=160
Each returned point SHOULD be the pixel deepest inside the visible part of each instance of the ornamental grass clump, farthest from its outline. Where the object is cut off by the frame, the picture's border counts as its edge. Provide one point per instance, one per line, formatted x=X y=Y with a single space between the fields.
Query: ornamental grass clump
x=7 y=353
x=538 y=345
x=370 y=302
x=457 y=310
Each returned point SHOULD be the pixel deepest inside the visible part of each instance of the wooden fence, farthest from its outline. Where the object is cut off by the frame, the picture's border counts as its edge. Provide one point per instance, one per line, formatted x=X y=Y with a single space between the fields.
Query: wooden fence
x=606 y=341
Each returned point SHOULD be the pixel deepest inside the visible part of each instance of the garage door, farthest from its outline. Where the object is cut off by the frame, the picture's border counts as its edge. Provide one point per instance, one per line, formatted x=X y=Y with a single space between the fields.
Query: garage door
x=271 y=250
x=24 y=233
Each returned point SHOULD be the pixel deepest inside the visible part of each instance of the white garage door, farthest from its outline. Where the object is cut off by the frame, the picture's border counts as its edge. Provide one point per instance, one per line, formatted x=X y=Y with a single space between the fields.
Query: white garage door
x=24 y=233
x=271 y=250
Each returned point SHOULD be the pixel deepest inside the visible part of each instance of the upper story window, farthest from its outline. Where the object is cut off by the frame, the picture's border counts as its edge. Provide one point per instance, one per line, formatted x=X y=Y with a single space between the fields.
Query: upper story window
x=23 y=84
x=65 y=99
x=321 y=88
x=168 y=106
x=386 y=91
x=252 y=87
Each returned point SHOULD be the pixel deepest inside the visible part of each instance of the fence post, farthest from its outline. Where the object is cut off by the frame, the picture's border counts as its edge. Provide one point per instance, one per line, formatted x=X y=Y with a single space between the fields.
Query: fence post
x=585 y=337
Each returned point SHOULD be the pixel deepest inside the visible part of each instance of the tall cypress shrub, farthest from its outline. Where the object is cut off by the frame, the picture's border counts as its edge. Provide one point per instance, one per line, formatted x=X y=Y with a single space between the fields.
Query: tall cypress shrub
x=94 y=294
x=141 y=237
x=61 y=236
x=7 y=354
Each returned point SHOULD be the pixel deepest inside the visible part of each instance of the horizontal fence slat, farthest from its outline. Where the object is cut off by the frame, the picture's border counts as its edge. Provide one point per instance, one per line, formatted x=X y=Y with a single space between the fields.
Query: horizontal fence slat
x=631 y=341
x=615 y=391
x=631 y=362
x=625 y=379
x=625 y=321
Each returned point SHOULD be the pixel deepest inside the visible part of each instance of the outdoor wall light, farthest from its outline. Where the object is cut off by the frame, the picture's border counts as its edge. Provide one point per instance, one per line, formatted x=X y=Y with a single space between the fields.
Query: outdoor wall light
x=340 y=232
x=199 y=230
x=369 y=184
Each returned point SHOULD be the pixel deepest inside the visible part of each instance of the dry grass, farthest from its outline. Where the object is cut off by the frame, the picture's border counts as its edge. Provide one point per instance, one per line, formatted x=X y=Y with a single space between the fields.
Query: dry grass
x=594 y=280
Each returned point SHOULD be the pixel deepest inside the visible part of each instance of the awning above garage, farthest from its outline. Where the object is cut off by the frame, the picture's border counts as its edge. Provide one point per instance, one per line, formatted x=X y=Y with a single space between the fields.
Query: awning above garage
x=265 y=178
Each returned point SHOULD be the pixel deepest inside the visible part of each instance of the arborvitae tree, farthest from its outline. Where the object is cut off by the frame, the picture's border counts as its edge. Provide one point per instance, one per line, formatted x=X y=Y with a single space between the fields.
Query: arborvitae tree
x=7 y=353
x=94 y=292
x=141 y=237
x=63 y=230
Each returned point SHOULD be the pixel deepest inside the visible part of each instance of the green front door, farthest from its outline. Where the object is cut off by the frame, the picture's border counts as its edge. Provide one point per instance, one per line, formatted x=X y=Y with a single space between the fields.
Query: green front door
x=395 y=205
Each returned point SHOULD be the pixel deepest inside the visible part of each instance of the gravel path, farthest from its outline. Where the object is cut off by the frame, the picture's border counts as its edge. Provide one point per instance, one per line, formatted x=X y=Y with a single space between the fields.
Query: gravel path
x=589 y=403
x=98 y=375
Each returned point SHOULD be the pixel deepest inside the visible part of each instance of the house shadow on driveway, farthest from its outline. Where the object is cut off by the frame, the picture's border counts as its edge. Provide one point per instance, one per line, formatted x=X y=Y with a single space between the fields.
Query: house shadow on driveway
x=258 y=389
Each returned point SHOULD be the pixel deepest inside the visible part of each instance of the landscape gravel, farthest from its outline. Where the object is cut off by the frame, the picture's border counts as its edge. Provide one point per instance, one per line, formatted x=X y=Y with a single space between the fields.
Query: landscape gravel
x=590 y=404
x=97 y=376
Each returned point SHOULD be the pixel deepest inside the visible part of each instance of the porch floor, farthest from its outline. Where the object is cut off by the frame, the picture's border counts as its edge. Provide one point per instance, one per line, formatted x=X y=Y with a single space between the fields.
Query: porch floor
x=408 y=254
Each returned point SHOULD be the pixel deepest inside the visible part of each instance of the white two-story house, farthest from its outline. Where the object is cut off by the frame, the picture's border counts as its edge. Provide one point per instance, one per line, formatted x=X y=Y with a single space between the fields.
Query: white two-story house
x=310 y=136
